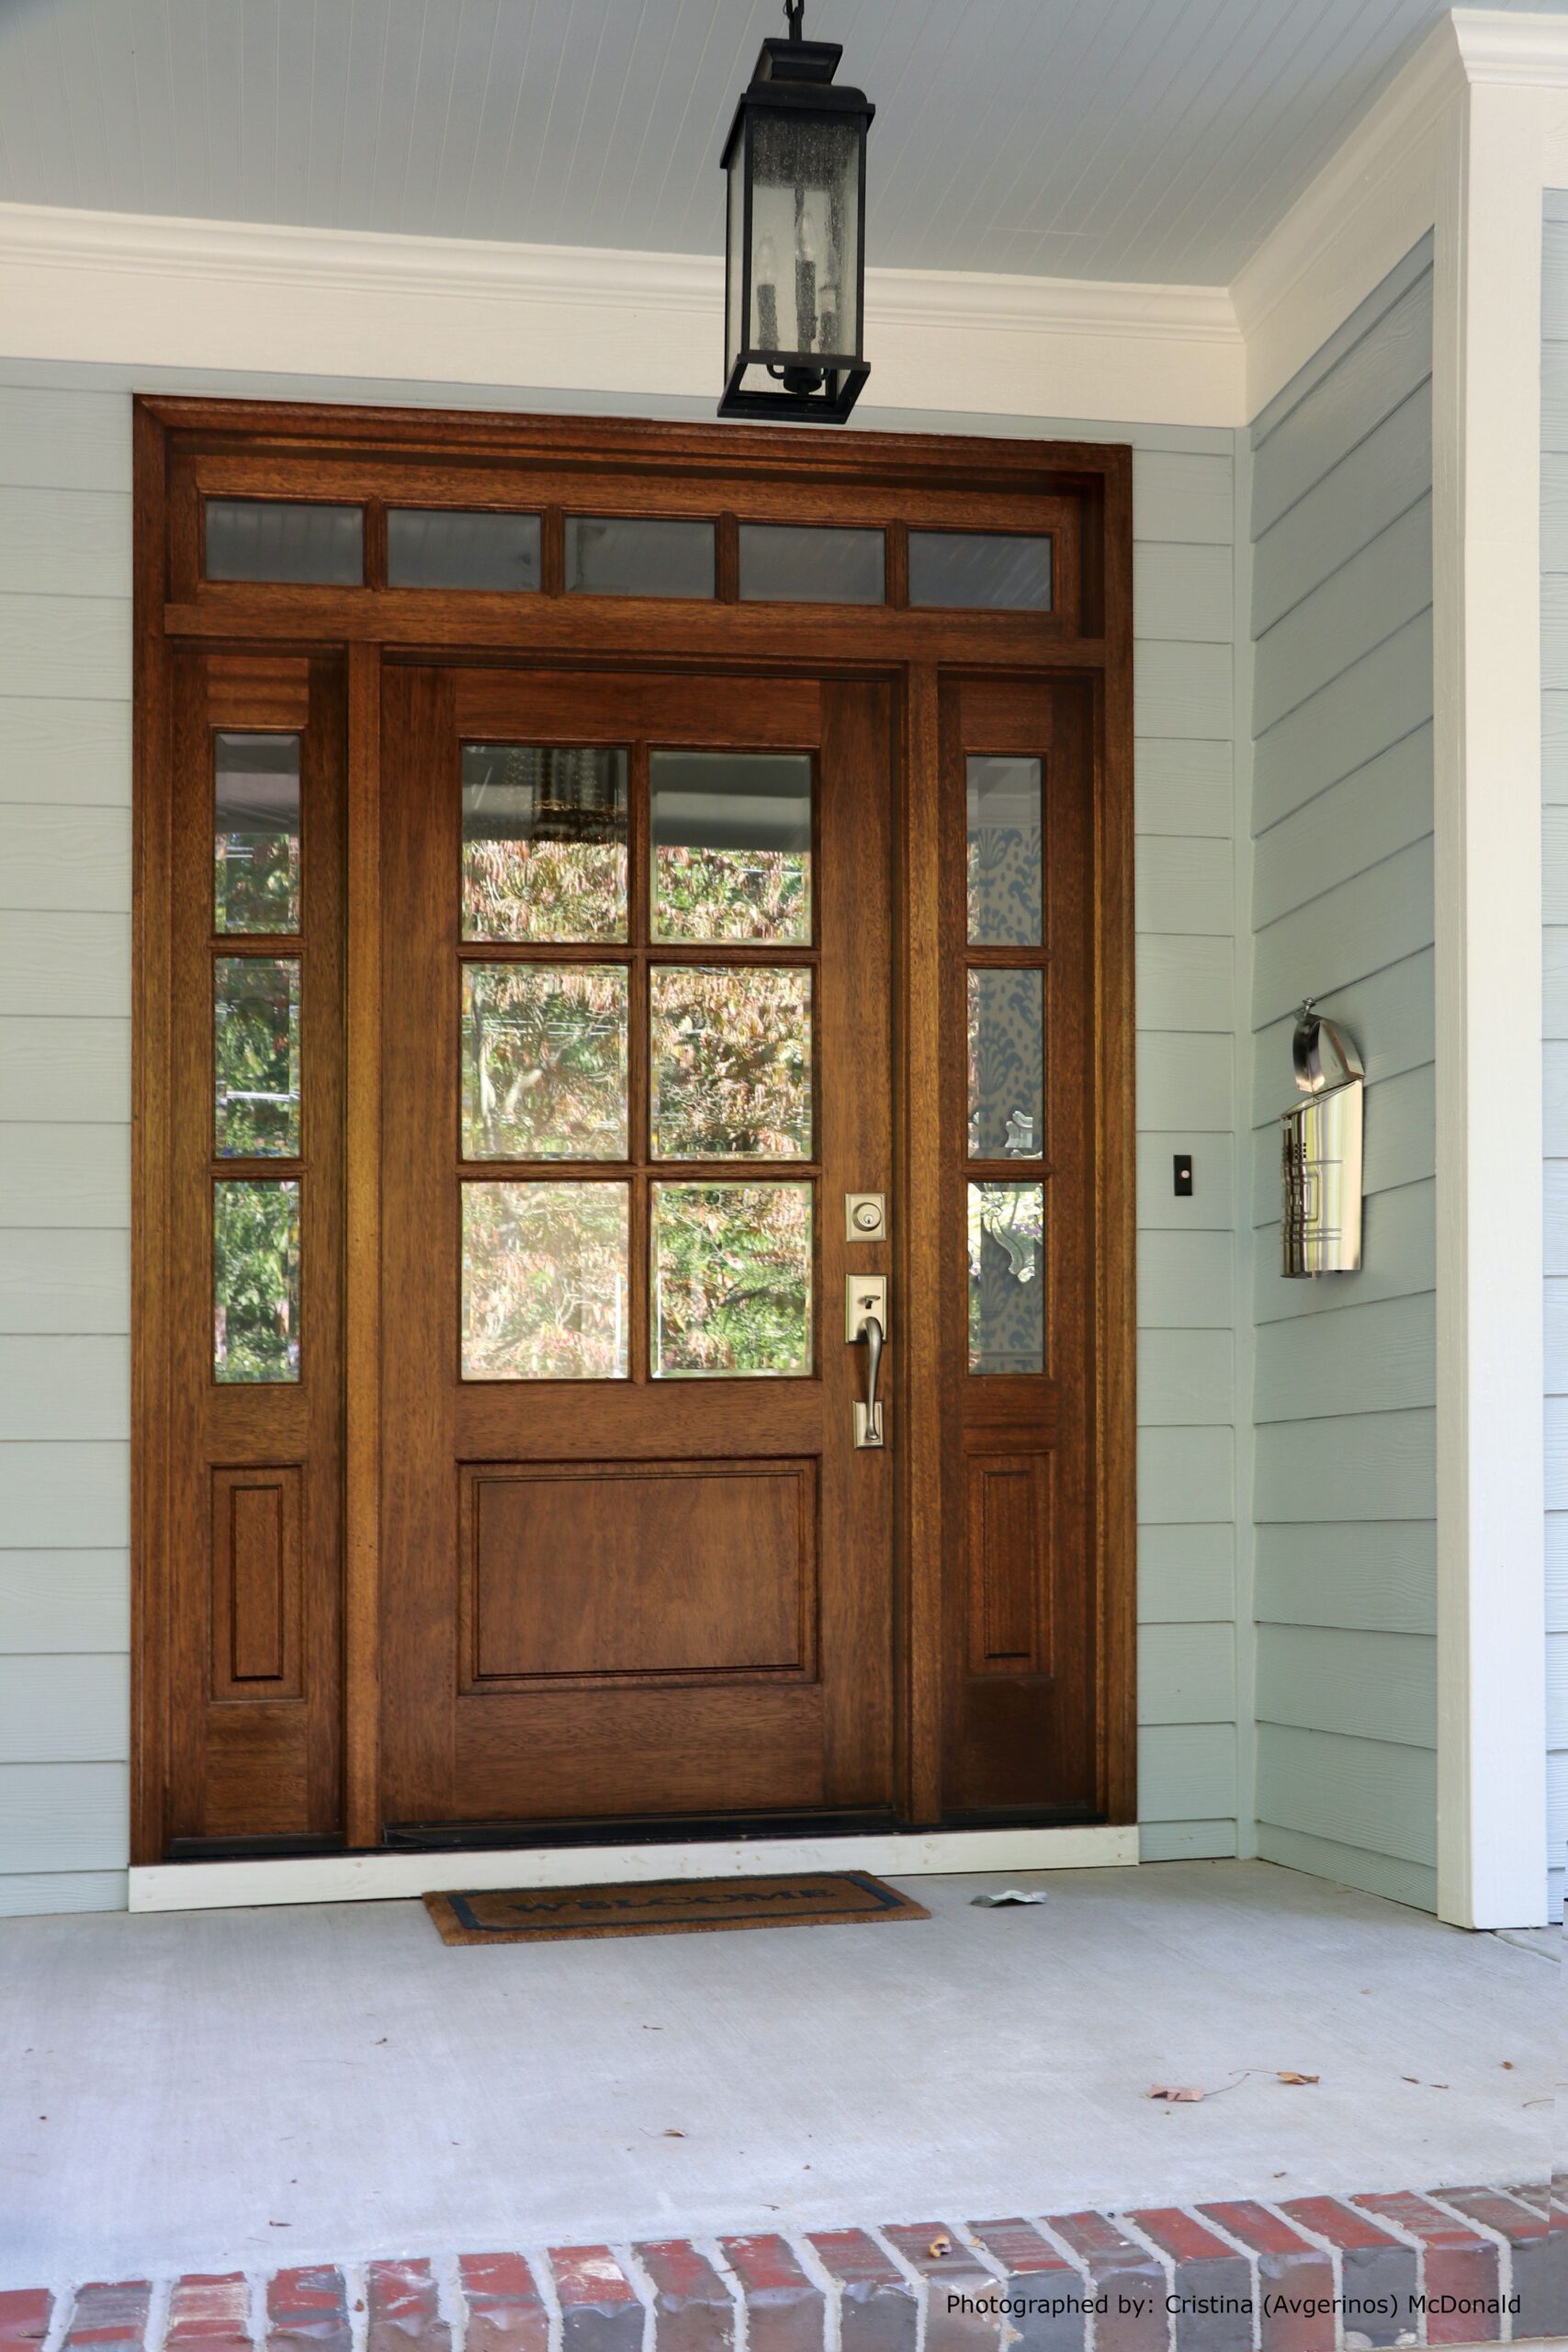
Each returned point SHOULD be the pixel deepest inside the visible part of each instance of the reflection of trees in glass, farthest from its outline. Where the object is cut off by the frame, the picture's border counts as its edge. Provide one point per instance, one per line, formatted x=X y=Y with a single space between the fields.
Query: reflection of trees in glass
x=544 y=1061
x=545 y=1282
x=544 y=842
x=255 y=1251
x=255 y=881
x=1007 y=1314
x=732 y=1278
x=731 y=1063
x=711 y=894
x=255 y=1040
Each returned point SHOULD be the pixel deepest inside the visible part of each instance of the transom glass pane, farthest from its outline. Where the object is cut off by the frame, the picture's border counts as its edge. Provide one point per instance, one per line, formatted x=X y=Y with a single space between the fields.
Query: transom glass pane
x=255 y=834
x=256 y=1280
x=445 y=547
x=255 y=1055
x=980 y=571
x=731 y=1280
x=545 y=1282
x=544 y=842
x=620 y=555
x=1006 y=874
x=731 y=846
x=1007 y=1065
x=731 y=1061
x=277 y=538
x=1007 y=1278
x=807 y=563
x=544 y=1059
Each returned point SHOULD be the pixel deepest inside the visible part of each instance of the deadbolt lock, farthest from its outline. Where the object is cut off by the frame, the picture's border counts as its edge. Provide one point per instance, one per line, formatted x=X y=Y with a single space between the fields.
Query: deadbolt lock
x=865 y=1216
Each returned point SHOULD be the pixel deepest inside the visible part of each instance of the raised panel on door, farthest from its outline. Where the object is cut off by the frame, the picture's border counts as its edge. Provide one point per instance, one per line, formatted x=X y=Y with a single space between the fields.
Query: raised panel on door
x=635 y=1000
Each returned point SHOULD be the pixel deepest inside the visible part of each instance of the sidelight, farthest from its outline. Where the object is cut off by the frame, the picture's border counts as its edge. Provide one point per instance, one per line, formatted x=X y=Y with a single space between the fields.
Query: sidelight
x=1005 y=864
x=256 y=1280
x=256 y=1055
x=1007 y=1064
x=1007 y=1278
x=255 y=830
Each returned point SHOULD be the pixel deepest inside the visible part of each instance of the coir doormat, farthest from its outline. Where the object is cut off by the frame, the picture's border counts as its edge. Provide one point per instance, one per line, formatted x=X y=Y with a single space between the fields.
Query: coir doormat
x=667 y=1906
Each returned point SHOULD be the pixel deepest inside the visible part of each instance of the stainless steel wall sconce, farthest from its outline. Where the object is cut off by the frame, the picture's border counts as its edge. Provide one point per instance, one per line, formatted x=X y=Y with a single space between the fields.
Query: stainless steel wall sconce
x=1321 y=1152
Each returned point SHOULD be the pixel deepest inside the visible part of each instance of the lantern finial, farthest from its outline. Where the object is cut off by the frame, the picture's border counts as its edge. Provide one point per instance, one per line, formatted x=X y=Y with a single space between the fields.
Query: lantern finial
x=795 y=10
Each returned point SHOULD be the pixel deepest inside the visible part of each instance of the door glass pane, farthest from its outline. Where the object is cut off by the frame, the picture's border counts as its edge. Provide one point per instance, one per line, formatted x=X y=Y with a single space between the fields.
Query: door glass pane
x=544 y=842
x=1005 y=876
x=731 y=1280
x=1007 y=1065
x=1007 y=1278
x=984 y=570
x=543 y=1057
x=256 y=834
x=276 y=538
x=804 y=563
x=256 y=1055
x=610 y=555
x=443 y=548
x=731 y=846
x=545 y=1282
x=256 y=1280
x=731 y=1058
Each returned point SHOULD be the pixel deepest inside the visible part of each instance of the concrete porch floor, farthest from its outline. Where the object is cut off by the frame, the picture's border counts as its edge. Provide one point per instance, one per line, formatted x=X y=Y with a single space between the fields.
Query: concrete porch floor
x=247 y=2089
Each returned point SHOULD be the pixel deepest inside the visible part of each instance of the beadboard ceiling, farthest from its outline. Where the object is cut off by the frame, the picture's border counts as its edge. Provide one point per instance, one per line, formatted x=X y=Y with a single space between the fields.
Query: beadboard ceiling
x=1144 y=140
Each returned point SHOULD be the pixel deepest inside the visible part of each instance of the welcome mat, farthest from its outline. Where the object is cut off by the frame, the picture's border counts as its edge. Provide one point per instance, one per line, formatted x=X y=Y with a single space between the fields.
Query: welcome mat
x=667 y=1906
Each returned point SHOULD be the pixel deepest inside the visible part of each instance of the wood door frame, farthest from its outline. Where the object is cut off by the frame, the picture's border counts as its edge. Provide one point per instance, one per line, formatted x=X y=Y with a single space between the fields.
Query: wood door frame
x=1080 y=492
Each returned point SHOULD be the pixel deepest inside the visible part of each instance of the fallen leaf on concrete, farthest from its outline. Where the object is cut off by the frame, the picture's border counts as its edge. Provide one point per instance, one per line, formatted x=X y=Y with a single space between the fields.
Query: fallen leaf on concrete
x=1178 y=2095
x=938 y=2246
x=1287 y=2076
x=1507 y=2066
x=673 y=2134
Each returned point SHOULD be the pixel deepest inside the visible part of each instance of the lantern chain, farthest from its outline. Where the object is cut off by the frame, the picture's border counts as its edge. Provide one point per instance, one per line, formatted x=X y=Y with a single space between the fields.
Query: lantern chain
x=795 y=10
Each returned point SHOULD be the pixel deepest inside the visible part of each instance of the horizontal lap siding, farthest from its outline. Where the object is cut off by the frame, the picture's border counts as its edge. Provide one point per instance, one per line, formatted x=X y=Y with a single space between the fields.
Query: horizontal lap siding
x=1344 y=1380
x=65 y=641
x=1185 y=623
x=1554 y=1007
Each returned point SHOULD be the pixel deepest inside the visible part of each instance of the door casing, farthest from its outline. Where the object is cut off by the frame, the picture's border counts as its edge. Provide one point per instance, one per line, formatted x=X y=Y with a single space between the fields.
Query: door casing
x=187 y=450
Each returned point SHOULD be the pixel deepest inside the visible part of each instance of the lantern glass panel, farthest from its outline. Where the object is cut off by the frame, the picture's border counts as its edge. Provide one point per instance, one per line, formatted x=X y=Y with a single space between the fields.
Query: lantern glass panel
x=804 y=232
x=734 y=254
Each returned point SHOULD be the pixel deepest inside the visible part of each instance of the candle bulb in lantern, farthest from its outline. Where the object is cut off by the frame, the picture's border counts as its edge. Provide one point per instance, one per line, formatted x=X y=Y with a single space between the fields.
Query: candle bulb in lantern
x=806 y=278
x=768 y=294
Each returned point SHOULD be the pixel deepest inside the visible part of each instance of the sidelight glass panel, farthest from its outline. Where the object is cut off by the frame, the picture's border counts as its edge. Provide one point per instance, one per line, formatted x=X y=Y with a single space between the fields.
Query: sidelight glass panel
x=980 y=571
x=277 y=538
x=1007 y=1065
x=445 y=547
x=544 y=1059
x=731 y=846
x=1006 y=874
x=810 y=563
x=1007 y=1278
x=545 y=1282
x=256 y=1280
x=731 y=1280
x=619 y=555
x=255 y=1055
x=731 y=1057
x=255 y=829
x=544 y=842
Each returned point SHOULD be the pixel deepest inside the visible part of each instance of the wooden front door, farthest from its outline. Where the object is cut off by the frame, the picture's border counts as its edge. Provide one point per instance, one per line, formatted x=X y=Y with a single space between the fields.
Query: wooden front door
x=636 y=994
x=575 y=862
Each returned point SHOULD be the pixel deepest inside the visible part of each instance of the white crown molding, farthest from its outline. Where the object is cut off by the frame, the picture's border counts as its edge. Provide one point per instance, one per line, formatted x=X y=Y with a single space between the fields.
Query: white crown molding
x=1374 y=198
x=153 y=291
x=1496 y=46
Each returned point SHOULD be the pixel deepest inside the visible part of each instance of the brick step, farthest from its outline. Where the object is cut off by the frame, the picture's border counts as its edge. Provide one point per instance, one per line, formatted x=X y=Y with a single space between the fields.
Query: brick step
x=1471 y=2265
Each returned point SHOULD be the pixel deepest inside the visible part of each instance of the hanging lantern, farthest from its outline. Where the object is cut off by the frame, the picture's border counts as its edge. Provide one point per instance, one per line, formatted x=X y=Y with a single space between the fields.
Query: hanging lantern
x=794 y=270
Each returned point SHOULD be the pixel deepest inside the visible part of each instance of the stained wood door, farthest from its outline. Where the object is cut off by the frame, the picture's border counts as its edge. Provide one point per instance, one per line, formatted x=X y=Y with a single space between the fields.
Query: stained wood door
x=636 y=1022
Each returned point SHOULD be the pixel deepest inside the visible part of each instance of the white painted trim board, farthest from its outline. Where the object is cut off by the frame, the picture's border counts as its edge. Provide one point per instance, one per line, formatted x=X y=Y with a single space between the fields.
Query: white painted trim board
x=383 y=1878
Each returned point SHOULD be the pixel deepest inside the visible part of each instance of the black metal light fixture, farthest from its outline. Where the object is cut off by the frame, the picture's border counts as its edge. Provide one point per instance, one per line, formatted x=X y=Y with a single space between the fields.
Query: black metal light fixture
x=794 y=271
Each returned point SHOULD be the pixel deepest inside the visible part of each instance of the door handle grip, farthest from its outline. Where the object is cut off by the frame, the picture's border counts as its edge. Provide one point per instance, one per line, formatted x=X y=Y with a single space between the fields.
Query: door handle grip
x=868 y=1416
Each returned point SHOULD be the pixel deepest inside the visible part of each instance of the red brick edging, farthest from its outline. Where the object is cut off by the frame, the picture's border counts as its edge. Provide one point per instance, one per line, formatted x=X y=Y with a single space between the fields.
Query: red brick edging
x=1311 y=2274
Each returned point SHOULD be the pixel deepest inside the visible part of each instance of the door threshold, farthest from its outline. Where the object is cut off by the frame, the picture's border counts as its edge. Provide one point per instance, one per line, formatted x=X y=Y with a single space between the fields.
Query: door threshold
x=388 y=1877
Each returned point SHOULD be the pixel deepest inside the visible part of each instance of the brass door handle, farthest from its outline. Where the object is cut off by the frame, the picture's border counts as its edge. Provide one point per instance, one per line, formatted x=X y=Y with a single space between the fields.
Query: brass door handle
x=865 y=1318
x=868 y=1416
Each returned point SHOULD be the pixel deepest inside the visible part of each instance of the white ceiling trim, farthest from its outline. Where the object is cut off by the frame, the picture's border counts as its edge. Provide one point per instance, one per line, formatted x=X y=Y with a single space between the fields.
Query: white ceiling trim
x=131 y=287
x=1495 y=47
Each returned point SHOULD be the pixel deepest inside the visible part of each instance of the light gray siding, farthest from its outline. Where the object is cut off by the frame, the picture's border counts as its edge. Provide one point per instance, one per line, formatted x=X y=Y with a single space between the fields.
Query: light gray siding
x=1554 y=1006
x=1344 y=1494
x=65 y=1108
